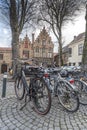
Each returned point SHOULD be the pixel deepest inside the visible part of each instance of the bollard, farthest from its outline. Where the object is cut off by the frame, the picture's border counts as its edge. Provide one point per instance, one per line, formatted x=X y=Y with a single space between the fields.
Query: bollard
x=4 y=85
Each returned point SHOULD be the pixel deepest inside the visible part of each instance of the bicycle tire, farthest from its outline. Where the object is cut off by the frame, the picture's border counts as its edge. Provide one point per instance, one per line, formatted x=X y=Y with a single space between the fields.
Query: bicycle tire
x=19 y=88
x=82 y=91
x=42 y=96
x=67 y=96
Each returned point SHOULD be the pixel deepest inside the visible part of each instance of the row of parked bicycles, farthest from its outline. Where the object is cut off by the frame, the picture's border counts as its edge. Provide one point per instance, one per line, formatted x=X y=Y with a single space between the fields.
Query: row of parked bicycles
x=42 y=84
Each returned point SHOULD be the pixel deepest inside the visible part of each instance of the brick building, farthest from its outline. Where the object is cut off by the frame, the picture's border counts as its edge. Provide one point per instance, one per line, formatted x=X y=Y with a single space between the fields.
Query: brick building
x=5 y=59
x=40 y=48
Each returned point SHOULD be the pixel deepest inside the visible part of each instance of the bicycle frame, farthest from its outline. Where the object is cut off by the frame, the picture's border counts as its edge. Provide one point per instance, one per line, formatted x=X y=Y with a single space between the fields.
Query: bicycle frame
x=24 y=81
x=55 y=78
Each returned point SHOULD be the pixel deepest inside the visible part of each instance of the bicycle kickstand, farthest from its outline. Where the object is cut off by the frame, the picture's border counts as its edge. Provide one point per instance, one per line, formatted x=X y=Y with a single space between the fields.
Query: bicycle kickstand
x=24 y=103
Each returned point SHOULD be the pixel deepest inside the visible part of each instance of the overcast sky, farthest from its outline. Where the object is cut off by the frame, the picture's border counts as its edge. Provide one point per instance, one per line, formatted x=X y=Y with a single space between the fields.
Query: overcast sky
x=73 y=29
x=69 y=31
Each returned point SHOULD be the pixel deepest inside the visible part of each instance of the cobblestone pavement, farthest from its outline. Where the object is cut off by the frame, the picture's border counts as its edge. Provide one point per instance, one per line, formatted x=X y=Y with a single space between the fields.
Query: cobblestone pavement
x=12 y=118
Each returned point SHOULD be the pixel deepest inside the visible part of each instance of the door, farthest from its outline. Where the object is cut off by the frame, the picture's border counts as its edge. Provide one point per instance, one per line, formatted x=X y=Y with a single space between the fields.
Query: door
x=3 y=68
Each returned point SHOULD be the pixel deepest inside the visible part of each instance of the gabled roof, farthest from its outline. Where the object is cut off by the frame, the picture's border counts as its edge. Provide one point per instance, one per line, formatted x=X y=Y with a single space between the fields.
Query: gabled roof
x=81 y=36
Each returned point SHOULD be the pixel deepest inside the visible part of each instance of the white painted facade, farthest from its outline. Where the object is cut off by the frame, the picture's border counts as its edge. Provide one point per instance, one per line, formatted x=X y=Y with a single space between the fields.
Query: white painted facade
x=76 y=46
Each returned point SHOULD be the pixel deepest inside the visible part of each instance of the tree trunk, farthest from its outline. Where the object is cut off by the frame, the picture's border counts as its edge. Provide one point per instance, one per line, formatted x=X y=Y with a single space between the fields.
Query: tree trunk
x=15 y=50
x=60 y=48
x=15 y=45
x=84 y=56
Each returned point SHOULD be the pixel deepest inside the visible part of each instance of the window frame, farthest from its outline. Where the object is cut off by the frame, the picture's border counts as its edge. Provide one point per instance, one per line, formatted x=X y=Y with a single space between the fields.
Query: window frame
x=70 y=51
x=1 y=56
x=80 y=49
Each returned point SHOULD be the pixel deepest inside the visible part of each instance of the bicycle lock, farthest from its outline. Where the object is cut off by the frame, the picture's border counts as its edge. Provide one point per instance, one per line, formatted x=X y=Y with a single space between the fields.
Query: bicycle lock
x=4 y=85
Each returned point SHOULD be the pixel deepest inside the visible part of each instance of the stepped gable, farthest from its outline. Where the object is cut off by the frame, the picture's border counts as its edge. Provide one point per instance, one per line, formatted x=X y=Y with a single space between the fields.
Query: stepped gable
x=43 y=35
x=26 y=39
x=25 y=42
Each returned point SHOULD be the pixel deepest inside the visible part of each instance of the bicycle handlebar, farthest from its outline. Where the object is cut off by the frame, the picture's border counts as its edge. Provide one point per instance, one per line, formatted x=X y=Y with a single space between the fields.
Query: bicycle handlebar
x=23 y=61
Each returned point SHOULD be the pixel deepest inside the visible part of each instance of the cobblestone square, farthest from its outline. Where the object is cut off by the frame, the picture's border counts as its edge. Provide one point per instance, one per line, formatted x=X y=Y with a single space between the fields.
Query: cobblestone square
x=12 y=118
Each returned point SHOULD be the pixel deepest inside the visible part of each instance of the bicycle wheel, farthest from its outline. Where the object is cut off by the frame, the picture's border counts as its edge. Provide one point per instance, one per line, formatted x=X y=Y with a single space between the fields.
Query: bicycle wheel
x=41 y=96
x=82 y=90
x=67 y=96
x=19 y=88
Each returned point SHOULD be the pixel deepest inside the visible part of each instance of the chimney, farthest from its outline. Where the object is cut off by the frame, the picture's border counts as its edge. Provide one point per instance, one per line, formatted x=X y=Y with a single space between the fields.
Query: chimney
x=74 y=37
x=32 y=37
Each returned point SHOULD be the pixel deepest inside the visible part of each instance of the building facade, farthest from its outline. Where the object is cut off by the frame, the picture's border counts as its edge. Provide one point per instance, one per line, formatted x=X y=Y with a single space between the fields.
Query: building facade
x=40 y=48
x=72 y=53
x=75 y=50
x=5 y=59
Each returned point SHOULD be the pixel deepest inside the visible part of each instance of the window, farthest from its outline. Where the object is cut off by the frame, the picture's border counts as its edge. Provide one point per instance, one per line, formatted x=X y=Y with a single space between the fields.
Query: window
x=25 y=54
x=50 y=50
x=70 y=52
x=74 y=64
x=80 y=49
x=1 y=56
x=80 y=63
x=43 y=50
x=44 y=42
x=25 y=45
x=38 y=40
x=49 y=41
x=37 y=49
x=69 y=64
x=49 y=54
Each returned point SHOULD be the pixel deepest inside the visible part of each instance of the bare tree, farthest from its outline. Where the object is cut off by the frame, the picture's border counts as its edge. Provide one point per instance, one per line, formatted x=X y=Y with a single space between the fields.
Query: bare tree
x=56 y=13
x=17 y=14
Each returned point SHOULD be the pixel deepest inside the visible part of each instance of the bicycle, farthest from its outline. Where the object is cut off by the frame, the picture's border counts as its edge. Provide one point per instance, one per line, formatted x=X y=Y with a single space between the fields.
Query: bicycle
x=65 y=91
x=80 y=82
x=36 y=89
